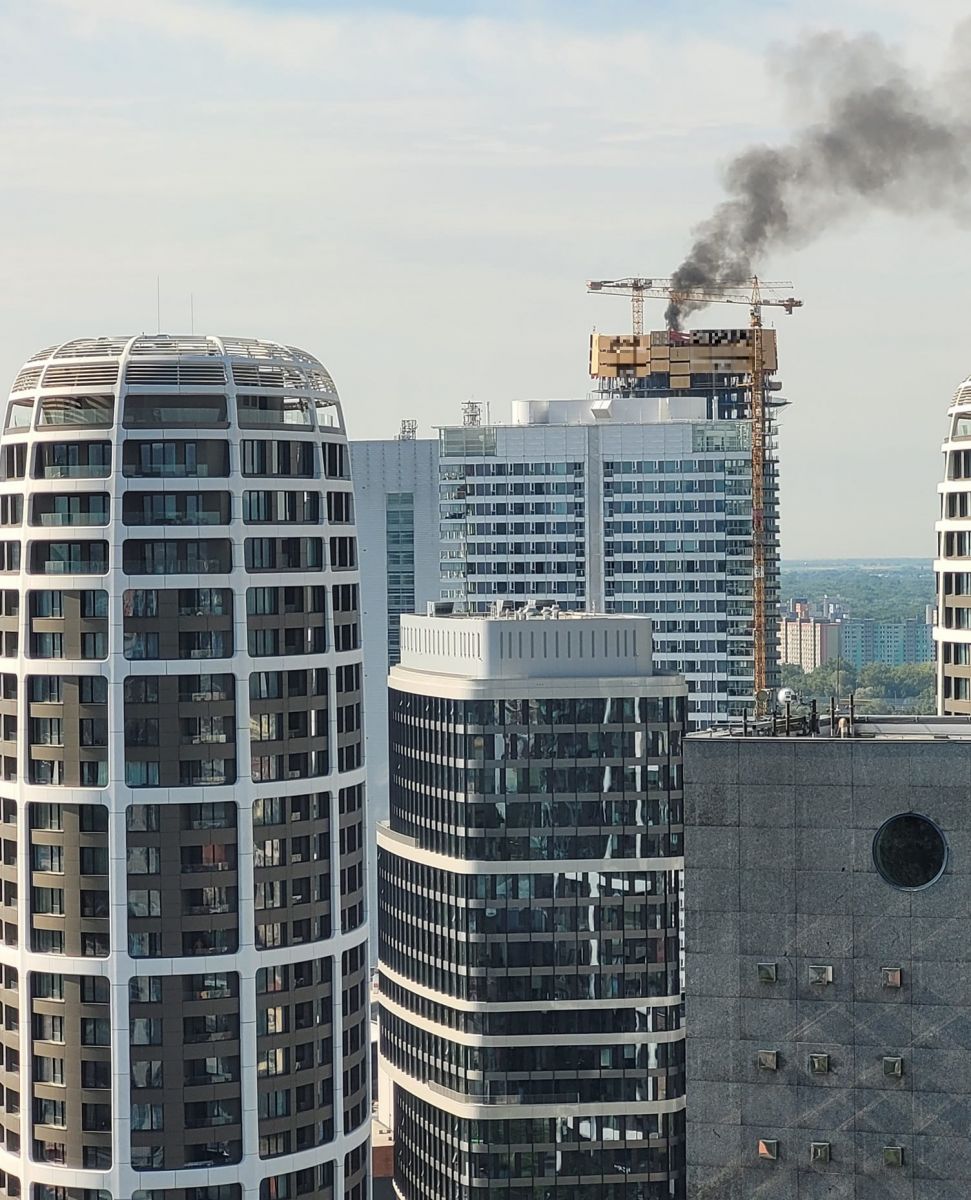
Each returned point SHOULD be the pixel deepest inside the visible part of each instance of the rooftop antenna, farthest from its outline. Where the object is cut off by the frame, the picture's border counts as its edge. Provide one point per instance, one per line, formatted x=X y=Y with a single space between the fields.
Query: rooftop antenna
x=158 y=304
x=192 y=313
x=409 y=427
x=471 y=414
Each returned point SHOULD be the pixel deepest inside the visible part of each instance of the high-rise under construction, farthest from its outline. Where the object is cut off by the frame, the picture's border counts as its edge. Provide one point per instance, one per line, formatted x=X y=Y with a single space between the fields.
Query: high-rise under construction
x=640 y=498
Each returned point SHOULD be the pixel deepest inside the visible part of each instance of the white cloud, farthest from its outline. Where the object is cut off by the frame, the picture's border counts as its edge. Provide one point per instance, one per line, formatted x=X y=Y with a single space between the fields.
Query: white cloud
x=419 y=200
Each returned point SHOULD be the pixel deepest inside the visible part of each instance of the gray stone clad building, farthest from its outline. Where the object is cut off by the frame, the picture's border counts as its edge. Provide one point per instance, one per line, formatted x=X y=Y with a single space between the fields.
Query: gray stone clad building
x=828 y=963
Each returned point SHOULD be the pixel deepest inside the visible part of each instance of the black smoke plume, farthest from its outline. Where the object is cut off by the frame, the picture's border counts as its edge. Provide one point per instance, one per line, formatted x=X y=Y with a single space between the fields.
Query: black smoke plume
x=877 y=136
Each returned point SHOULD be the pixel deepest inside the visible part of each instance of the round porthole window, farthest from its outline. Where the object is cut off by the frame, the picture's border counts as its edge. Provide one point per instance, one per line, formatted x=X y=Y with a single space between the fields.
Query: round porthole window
x=909 y=851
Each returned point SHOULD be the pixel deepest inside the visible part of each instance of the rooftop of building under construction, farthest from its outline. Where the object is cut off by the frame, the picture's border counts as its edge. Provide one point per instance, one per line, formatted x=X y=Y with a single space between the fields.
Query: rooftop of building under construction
x=677 y=356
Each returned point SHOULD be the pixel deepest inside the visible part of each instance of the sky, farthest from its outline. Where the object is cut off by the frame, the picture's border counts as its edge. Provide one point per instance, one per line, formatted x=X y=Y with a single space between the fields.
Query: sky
x=416 y=191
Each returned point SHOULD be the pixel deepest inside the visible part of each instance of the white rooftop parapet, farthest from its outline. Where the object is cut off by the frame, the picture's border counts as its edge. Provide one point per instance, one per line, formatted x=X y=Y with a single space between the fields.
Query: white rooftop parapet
x=529 y=643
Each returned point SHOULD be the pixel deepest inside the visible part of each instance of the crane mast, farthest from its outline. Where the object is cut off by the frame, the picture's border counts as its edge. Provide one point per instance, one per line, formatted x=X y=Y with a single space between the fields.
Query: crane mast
x=760 y=621
x=637 y=288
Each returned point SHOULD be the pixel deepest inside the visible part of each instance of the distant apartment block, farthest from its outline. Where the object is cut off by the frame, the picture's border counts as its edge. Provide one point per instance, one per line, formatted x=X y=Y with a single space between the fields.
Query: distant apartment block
x=808 y=642
x=892 y=643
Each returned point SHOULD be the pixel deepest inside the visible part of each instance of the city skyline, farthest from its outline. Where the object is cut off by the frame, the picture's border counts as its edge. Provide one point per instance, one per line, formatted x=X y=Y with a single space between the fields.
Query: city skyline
x=455 y=187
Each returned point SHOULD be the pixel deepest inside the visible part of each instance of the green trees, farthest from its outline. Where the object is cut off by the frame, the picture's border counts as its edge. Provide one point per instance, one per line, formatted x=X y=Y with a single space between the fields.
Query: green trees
x=891 y=591
x=877 y=688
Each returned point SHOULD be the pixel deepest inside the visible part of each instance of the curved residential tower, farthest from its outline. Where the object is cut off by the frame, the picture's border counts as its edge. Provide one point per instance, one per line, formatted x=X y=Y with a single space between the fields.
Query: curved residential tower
x=183 y=967
x=952 y=629
x=529 y=887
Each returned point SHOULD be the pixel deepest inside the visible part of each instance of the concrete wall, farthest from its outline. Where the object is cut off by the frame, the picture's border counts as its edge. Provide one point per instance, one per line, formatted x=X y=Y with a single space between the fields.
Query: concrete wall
x=779 y=869
x=379 y=468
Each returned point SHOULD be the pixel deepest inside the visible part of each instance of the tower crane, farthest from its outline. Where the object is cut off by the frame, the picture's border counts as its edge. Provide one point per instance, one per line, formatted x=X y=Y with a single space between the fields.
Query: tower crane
x=638 y=288
x=753 y=295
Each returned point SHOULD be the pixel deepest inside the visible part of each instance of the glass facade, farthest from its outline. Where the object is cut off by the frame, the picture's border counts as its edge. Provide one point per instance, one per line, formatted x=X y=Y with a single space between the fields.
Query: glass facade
x=400 y=541
x=537 y=974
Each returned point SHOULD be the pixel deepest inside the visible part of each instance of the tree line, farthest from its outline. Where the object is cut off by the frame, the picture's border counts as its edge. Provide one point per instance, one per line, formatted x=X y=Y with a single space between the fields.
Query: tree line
x=878 y=688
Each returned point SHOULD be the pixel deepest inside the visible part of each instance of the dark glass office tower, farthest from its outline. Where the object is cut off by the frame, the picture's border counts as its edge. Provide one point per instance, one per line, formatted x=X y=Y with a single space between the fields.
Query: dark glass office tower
x=529 y=911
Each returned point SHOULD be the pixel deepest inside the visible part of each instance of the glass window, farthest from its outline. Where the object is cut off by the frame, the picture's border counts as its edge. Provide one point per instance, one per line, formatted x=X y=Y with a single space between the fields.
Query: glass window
x=141 y=689
x=273 y=410
x=176 y=508
x=93 y=860
x=176 y=459
x=78 y=508
x=96 y=1117
x=162 y=412
x=142 y=818
x=180 y=556
x=93 y=689
x=144 y=903
x=77 y=410
x=94 y=604
x=909 y=851
x=141 y=646
x=146 y=1073
x=68 y=558
x=48 y=1070
x=95 y=1031
x=145 y=989
x=146 y=1031
x=146 y=1116
x=95 y=989
x=72 y=460
x=95 y=1074
x=144 y=860
x=19 y=414
x=48 y=859
x=142 y=774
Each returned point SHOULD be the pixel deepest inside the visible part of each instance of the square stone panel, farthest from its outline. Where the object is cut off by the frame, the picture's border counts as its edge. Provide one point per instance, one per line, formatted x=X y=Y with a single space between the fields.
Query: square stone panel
x=824 y=806
x=711 y=805
x=825 y=848
x=710 y=761
x=766 y=849
x=824 y=937
x=767 y=1021
x=822 y=761
x=828 y=893
x=768 y=761
x=766 y=805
